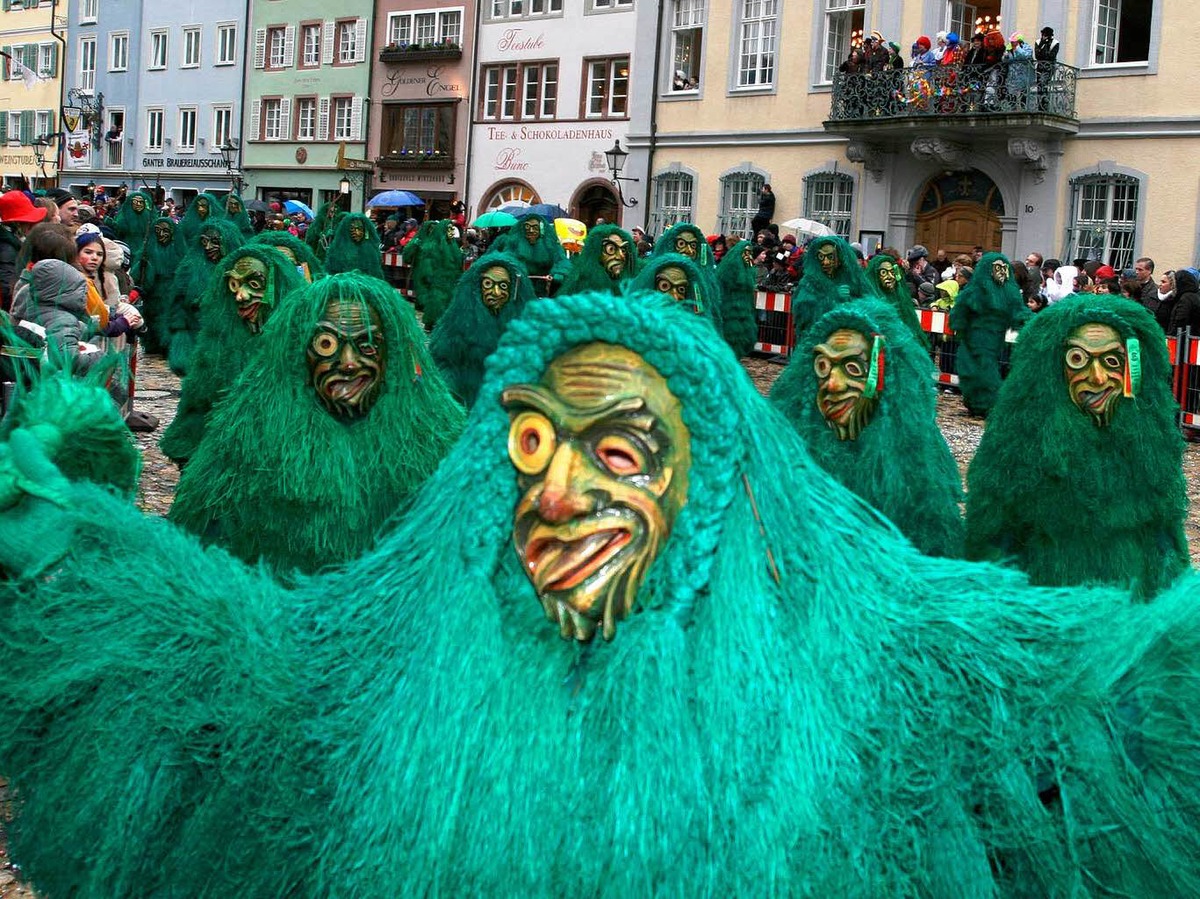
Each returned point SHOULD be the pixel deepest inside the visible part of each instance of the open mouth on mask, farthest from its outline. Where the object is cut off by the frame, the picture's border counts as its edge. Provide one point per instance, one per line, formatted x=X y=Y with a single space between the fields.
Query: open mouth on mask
x=558 y=562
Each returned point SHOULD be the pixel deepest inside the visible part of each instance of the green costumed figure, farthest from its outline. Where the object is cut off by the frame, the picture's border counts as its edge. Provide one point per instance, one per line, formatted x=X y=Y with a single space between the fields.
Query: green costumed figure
x=180 y=319
x=859 y=389
x=985 y=310
x=886 y=278
x=355 y=247
x=680 y=278
x=155 y=273
x=628 y=640
x=235 y=211
x=321 y=229
x=493 y=292
x=436 y=261
x=831 y=276
x=202 y=210
x=1079 y=476
x=245 y=290
x=297 y=251
x=688 y=240
x=134 y=223
x=607 y=262
x=534 y=243
x=337 y=418
x=738 y=284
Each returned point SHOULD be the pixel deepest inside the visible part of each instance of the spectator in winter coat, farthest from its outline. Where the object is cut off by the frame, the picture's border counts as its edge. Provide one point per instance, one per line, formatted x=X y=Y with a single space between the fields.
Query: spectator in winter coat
x=1019 y=77
x=18 y=215
x=766 y=210
x=1186 y=313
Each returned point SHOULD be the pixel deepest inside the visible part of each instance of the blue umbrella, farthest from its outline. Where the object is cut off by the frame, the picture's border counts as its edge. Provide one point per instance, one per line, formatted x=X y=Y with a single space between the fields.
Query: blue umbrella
x=297 y=206
x=548 y=211
x=395 y=198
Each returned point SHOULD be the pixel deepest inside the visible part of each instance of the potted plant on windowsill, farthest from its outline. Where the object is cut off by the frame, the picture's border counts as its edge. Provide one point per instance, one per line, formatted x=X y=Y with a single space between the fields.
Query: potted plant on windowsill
x=406 y=158
x=412 y=52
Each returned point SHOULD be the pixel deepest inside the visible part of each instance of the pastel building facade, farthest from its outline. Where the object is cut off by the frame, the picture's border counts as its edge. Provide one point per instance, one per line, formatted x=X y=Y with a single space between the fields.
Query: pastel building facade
x=29 y=104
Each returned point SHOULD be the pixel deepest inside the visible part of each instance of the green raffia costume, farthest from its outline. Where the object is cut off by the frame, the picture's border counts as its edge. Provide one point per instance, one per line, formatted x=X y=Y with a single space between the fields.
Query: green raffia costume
x=189 y=225
x=235 y=211
x=777 y=717
x=897 y=296
x=469 y=331
x=1070 y=501
x=346 y=254
x=684 y=233
x=899 y=462
x=982 y=315
x=321 y=230
x=736 y=278
x=135 y=227
x=300 y=251
x=697 y=298
x=545 y=257
x=180 y=320
x=156 y=274
x=588 y=270
x=817 y=292
x=436 y=262
x=279 y=477
x=224 y=346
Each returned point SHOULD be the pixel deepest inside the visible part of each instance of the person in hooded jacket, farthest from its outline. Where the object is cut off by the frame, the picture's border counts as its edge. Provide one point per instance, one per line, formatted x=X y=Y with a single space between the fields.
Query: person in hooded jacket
x=1186 y=311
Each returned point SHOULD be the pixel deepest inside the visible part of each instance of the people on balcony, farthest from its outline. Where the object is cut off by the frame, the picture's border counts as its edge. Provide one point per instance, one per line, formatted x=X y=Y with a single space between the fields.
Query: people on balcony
x=1019 y=75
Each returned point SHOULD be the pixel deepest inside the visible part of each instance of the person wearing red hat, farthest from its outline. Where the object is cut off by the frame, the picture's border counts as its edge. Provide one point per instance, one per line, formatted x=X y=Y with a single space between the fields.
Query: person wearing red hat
x=921 y=52
x=17 y=215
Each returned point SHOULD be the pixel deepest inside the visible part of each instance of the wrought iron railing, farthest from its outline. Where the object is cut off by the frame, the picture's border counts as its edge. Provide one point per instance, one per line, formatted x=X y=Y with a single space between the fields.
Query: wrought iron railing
x=1019 y=87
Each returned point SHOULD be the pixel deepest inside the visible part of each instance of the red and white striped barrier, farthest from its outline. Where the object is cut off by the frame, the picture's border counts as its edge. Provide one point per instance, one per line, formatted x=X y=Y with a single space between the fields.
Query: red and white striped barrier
x=776 y=302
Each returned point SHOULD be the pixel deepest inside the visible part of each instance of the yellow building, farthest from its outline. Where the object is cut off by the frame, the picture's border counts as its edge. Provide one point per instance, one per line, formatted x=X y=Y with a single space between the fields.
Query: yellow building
x=1083 y=156
x=32 y=37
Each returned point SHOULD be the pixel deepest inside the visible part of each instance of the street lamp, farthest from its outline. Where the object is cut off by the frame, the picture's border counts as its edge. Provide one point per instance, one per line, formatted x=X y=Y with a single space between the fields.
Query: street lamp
x=229 y=155
x=40 y=146
x=616 y=163
x=344 y=189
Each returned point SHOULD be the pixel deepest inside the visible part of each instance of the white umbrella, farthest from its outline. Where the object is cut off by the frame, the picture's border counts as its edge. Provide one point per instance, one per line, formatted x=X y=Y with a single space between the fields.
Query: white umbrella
x=808 y=227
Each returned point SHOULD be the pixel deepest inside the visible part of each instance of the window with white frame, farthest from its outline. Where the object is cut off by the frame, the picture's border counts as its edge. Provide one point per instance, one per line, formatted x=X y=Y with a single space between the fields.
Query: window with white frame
x=525 y=92
x=687 y=42
x=226 y=44
x=187 y=130
x=44 y=126
x=607 y=86
x=306 y=118
x=348 y=41
x=500 y=93
x=88 y=11
x=524 y=9
x=276 y=42
x=539 y=90
x=829 y=199
x=310 y=45
x=118 y=51
x=740 y=192
x=271 y=119
x=87 y=63
x=610 y=4
x=158 y=50
x=222 y=127
x=757 y=43
x=47 y=65
x=114 y=138
x=343 y=115
x=1104 y=214
x=674 y=202
x=191 y=48
x=843 y=18
x=424 y=28
x=154 y=130
x=960 y=18
x=1121 y=31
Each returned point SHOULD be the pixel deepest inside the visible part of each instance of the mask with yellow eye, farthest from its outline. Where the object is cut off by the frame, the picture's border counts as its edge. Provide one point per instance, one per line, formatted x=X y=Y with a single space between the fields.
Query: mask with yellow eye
x=202 y=209
x=602 y=459
x=495 y=288
x=357 y=231
x=827 y=258
x=848 y=367
x=210 y=243
x=1098 y=370
x=673 y=281
x=614 y=255
x=686 y=244
x=532 y=230
x=347 y=358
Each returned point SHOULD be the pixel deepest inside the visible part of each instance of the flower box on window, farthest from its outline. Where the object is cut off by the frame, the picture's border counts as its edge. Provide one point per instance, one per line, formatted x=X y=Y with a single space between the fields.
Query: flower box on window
x=415 y=159
x=400 y=53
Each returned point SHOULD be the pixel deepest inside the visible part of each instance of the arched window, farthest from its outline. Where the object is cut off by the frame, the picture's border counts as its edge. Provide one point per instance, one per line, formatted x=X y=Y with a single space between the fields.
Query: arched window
x=829 y=199
x=740 y=192
x=674 y=200
x=1104 y=218
x=507 y=193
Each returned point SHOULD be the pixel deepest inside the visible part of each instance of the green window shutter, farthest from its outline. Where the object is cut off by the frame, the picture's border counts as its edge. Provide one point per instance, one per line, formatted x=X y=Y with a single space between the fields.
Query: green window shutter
x=31 y=57
x=53 y=129
x=3 y=127
x=27 y=122
x=7 y=51
x=54 y=60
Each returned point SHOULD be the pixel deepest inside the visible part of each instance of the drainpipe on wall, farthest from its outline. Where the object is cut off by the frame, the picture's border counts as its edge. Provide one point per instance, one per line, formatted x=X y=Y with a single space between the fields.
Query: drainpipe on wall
x=470 y=101
x=658 y=35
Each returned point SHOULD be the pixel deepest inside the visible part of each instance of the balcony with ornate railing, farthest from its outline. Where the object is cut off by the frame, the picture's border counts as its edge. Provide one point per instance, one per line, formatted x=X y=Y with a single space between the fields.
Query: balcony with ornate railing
x=1020 y=93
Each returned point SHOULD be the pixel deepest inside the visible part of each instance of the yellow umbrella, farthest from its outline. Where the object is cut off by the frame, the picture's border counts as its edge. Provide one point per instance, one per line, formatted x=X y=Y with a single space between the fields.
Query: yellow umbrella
x=571 y=234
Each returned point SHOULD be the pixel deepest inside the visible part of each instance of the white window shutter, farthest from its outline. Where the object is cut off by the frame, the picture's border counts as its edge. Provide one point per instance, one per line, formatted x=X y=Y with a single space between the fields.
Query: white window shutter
x=360 y=40
x=323 y=118
x=289 y=46
x=256 y=120
x=285 y=119
x=260 y=48
x=356 y=117
x=327 y=38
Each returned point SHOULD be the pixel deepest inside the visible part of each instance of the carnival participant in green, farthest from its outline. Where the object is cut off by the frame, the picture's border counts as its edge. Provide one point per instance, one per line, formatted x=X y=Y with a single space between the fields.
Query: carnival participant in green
x=336 y=420
x=831 y=276
x=607 y=262
x=297 y=252
x=682 y=280
x=859 y=389
x=355 y=247
x=201 y=211
x=235 y=211
x=133 y=224
x=627 y=640
x=155 y=273
x=1079 y=476
x=736 y=279
x=493 y=292
x=322 y=229
x=246 y=289
x=685 y=239
x=886 y=277
x=986 y=309
x=534 y=243
x=436 y=261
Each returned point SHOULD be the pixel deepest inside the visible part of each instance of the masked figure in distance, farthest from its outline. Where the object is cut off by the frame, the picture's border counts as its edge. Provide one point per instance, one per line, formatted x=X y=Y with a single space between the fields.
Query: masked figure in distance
x=235 y=211
x=355 y=247
x=962 y=733
x=322 y=229
x=736 y=278
x=155 y=273
x=533 y=242
x=436 y=261
x=492 y=293
x=685 y=239
x=886 y=278
x=181 y=319
x=297 y=252
x=681 y=279
x=245 y=290
x=337 y=418
x=201 y=211
x=1078 y=478
x=831 y=276
x=986 y=309
x=134 y=224
x=607 y=262
x=859 y=389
